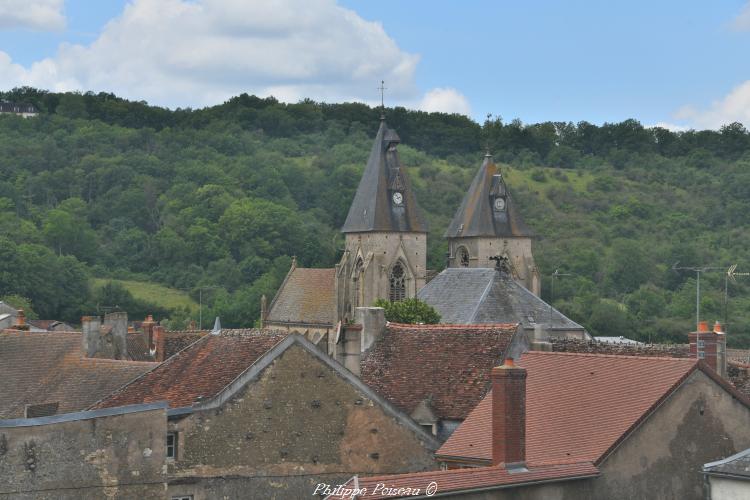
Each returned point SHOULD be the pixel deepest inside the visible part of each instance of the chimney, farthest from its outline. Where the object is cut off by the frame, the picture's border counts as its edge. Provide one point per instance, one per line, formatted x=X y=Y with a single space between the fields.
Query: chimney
x=159 y=341
x=508 y=415
x=148 y=331
x=118 y=322
x=710 y=346
x=21 y=319
x=90 y=338
x=373 y=322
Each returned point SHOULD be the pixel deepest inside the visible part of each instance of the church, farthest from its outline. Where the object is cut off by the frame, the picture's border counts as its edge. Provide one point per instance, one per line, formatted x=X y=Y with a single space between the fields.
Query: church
x=491 y=275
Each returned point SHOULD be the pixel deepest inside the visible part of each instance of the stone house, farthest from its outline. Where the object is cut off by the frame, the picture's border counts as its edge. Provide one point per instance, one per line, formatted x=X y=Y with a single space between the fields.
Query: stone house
x=269 y=413
x=586 y=426
x=728 y=479
x=46 y=373
x=117 y=453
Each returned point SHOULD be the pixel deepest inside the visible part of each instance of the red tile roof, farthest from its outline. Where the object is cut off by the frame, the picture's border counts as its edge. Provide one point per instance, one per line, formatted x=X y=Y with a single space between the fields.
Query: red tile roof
x=177 y=340
x=41 y=367
x=307 y=296
x=578 y=406
x=466 y=479
x=449 y=363
x=202 y=369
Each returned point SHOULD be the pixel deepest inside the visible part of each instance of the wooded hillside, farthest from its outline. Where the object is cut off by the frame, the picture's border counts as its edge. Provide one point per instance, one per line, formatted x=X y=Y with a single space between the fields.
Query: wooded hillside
x=221 y=198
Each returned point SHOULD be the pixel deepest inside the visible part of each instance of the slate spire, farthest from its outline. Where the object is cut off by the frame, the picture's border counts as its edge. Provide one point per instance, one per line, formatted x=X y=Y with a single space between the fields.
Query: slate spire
x=487 y=210
x=384 y=200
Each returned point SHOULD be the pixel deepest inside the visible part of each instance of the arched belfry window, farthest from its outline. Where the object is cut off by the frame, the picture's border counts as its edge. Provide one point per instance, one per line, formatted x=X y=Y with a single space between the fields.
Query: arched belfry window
x=398 y=283
x=463 y=257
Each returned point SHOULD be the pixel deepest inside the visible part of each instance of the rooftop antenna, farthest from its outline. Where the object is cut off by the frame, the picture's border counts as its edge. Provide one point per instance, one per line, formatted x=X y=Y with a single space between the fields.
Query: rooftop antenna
x=730 y=276
x=554 y=275
x=487 y=138
x=697 y=271
x=382 y=90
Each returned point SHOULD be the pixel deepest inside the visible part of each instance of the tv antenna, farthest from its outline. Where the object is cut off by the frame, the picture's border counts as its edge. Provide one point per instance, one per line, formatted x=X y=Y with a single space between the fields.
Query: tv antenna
x=698 y=271
x=731 y=275
x=554 y=275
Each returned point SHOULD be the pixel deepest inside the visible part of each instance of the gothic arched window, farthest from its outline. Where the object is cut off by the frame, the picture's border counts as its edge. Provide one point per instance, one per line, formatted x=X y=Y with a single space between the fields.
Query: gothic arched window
x=398 y=283
x=463 y=257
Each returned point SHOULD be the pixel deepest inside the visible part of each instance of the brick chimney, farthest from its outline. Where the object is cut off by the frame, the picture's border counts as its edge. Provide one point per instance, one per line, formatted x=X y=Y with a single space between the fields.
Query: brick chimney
x=148 y=331
x=710 y=346
x=21 y=318
x=159 y=341
x=508 y=415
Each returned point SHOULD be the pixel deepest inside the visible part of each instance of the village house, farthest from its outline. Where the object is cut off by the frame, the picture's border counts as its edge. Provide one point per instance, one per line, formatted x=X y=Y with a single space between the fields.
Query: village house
x=268 y=412
x=47 y=373
x=562 y=425
x=19 y=109
x=729 y=478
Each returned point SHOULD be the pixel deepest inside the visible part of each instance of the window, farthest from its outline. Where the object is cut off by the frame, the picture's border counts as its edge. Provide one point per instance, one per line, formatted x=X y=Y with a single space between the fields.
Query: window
x=398 y=283
x=430 y=428
x=41 y=410
x=172 y=447
x=701 y=344
x=463 y=257
x=359 y=284
x=701 y=355
x=183 y=497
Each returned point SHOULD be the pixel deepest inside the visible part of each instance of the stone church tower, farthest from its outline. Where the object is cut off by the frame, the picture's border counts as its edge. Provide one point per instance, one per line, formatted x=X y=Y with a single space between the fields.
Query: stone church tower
x=385 y=253
x=488 y=226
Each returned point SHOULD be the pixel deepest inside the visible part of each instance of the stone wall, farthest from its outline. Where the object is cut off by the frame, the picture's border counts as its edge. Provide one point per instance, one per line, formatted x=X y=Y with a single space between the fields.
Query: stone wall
x=114 y=453
x=594 y=347
x=299 y=423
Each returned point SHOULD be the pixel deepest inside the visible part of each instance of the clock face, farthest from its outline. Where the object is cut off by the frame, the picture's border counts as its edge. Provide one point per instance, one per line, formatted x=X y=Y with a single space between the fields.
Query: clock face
x=499 y=204
x=398 y=198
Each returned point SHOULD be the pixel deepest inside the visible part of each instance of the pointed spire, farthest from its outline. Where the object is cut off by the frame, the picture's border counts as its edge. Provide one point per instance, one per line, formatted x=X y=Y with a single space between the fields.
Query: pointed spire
x=217 y=327
x=478 y=215
x=384 y=200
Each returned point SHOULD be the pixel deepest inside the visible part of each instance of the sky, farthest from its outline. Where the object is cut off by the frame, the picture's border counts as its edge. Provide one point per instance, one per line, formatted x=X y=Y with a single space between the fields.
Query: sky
x=678 y=64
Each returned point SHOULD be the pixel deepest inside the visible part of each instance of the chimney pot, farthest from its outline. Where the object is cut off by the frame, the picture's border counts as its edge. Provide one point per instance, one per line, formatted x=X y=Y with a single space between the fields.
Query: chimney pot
x=717 y=327
x=703 y=326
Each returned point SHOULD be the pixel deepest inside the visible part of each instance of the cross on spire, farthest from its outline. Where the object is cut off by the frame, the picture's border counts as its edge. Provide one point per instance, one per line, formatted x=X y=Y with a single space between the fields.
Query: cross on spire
x=382 y=90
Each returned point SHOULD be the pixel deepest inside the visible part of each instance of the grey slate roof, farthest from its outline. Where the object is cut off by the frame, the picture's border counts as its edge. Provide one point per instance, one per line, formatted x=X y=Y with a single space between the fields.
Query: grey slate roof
x=484 y=295
x=372 y=208
x=476 y=217
x=736 y=466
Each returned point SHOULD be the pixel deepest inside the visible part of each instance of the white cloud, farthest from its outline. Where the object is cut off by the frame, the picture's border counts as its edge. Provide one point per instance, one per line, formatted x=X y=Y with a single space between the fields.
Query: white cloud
x=742 y=21
x=194 y=53
x=445 y=100
x=670 y=126
x=734 y=107
x=41 y=15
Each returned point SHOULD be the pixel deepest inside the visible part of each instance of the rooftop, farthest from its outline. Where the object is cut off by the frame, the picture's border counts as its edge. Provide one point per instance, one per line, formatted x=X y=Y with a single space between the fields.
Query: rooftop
x=485 y=295
x=45 y=368
x=478 y=478
x=447 y=365
x=737 y=466
x=199 y=371
x=578 y=406
x=306 y=296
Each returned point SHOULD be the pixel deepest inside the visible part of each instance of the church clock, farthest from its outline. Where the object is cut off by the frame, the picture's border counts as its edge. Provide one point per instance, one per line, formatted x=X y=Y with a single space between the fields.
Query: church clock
x=398 y=198
x=499 y=204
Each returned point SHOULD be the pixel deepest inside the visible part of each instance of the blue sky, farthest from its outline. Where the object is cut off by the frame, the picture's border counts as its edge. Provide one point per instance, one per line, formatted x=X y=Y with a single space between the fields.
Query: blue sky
x=682 y=64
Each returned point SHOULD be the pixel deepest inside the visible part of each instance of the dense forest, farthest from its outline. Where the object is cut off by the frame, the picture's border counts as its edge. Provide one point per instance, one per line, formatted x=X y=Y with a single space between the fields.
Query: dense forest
x=215 y=201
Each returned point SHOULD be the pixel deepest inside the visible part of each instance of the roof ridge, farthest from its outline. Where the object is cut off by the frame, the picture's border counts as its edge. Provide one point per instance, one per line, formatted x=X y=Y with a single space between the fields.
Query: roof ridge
x=449 y=326
x=598 y=355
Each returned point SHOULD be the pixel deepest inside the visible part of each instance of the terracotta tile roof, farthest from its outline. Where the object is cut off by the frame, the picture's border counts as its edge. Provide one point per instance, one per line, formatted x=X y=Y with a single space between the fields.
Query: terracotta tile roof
x=177 y=340
x=137 y=348
x=202 y=369
x=466 y=479
x=578 y=406
x=40 y=367
x=306 y=297
x=448 y=363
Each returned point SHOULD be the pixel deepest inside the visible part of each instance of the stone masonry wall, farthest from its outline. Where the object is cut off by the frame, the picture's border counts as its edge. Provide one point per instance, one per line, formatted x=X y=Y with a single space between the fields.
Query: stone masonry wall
x=112 y=457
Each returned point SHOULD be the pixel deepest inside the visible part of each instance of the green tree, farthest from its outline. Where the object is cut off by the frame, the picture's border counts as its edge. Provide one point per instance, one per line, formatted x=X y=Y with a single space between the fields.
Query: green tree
x=412 y=311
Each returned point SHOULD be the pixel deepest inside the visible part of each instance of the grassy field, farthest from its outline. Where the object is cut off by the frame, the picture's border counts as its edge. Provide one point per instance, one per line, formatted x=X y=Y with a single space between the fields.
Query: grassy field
x=153 y=293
